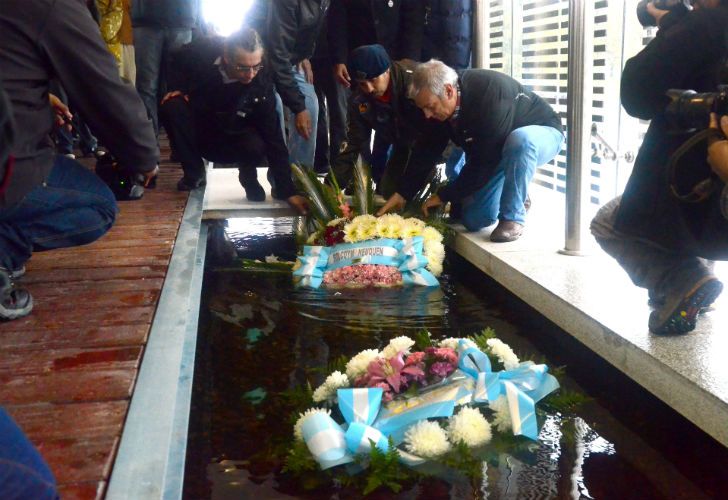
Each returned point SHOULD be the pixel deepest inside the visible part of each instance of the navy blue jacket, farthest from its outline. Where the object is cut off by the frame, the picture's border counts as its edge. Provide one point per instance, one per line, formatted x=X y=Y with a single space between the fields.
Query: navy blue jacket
x=165 y=13
x=448 y=32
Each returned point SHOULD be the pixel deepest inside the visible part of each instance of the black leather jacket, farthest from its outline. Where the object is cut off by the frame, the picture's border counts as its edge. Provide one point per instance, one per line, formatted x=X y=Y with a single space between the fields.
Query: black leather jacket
x=292 y=29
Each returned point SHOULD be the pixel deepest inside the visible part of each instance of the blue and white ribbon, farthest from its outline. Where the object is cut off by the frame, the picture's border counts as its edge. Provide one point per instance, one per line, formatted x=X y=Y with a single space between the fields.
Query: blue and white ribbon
x=406 y=255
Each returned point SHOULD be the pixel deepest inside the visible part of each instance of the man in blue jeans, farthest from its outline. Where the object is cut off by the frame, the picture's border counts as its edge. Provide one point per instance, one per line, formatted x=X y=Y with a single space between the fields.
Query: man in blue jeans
x=23 y=472
x=49 y=201
x=505 y=130
x=160 y=27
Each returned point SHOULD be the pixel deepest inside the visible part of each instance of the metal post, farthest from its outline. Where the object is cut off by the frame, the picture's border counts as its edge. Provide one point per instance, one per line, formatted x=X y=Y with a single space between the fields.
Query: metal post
x=578 y=121
x=481 y=34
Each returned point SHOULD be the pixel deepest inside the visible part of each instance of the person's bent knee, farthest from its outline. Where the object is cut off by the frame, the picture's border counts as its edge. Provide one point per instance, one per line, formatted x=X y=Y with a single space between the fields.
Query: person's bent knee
x=474 y=222
x=519 y=141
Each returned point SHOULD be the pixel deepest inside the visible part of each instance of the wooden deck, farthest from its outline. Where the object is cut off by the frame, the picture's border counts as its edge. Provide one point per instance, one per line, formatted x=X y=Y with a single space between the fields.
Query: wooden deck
x=67 y=371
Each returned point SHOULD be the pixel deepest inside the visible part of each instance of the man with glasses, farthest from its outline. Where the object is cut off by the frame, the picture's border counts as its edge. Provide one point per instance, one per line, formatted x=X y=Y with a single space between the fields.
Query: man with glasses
x=222 y=107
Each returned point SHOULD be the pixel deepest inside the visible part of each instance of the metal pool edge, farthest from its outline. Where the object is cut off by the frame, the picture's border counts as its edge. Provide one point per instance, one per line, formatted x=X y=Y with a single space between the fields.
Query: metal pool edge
x=151 y=458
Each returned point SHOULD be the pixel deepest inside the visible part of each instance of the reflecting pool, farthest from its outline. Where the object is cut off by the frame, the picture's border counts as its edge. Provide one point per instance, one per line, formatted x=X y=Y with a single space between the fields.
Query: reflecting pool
x=260 y=338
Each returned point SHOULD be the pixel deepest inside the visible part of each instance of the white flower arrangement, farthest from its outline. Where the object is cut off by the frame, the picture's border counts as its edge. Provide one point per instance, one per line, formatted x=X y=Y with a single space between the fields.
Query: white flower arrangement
x=470 y=427
x=326 y=392
x=397 y=344
x=504 y=353
x=390 y=226
x=412 y=227
x=426 y=439
x=298 y=428
x=336 y=222
x=453 y=342
x=502 y=414
x=358 y=364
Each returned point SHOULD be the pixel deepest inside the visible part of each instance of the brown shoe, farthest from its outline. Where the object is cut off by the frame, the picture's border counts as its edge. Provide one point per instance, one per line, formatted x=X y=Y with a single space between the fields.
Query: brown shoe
x=506 y=230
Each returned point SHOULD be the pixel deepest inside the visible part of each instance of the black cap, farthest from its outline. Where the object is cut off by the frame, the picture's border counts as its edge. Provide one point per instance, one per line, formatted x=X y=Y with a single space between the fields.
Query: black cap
x=368 y=61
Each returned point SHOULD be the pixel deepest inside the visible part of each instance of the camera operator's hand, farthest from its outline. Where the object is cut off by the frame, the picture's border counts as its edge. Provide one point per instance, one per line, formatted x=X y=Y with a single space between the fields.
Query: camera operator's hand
x=62 y=114
x=718 y=148
x=303 y=124
x=656 y=13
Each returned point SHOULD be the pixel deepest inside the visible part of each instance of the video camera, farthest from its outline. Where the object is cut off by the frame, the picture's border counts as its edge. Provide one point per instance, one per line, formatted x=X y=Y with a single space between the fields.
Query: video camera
x=689 y=110
x=679 y=6
x=125 y=184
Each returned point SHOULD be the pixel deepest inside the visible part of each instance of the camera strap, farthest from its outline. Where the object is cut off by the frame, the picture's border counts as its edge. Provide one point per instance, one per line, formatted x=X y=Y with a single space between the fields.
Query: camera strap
x=702 y=190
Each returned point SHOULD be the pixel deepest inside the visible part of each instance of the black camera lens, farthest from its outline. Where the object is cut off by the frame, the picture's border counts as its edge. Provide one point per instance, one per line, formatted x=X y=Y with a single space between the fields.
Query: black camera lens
x=689 y=110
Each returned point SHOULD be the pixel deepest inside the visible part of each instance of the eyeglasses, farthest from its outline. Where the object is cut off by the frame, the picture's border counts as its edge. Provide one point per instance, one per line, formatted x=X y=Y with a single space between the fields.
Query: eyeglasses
x=247 y=69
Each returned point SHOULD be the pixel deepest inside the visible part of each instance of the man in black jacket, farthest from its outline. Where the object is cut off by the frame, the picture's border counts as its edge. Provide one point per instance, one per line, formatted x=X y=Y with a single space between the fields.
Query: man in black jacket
x=380 y=104
x=49 y=201
x=396 y=25
x=505 y=130
x=292 y=30
x=222 y=107
x=661 y=241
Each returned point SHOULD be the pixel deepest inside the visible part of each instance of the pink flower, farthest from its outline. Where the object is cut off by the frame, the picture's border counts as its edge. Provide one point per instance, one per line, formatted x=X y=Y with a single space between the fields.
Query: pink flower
x=415 y=358
x=393 y=371
x=444 y=354
x=441 y=369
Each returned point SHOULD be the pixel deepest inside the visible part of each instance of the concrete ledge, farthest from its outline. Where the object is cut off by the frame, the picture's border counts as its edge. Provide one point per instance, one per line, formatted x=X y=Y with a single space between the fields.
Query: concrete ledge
x=592 y=298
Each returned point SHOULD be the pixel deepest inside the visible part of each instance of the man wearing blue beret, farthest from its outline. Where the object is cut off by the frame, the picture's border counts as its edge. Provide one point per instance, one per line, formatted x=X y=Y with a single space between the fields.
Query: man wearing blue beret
x=379 y=103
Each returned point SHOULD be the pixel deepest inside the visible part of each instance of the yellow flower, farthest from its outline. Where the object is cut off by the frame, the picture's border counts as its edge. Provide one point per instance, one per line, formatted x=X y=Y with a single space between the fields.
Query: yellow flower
x=431 y=234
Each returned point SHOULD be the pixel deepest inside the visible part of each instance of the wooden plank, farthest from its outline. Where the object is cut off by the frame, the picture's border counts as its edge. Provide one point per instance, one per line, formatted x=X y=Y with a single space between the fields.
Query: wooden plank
x=84 y=253
x=100 y=286
x=79 y=460
x=45 y=318
x=20 y=362
x=93 y=490
x=99 y=261
x=86 y=336
x=131 y=243
x=74 y=275
x=66 y=387
x=45 y=421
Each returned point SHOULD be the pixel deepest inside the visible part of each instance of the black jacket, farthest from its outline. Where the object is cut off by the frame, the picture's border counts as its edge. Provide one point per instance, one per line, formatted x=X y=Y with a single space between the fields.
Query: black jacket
x=165 y=13
x=45 y=39
x=219 y=108
x=399 y=121
x=448 y=32
x=292 y=29
x=688 y=53
x=7 y=133
x=395 y=24
x=492 y=105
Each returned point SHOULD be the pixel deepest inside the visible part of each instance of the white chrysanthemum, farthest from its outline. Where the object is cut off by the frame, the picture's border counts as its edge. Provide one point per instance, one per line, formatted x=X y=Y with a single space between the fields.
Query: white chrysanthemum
x=352 y=233
x=271 y=259
x=390 y=226
x=502 y=418
x=359 y=363
x=426 y=439
x=397 y=344
x=412 y=227
x=431 y=234
x=504 y=353
x=298 y=428
x=435 y=268
x=364 y=220
x=435 y=252
x=470 y=427
x=453 y=342
x=327 y=390
x=336 y=222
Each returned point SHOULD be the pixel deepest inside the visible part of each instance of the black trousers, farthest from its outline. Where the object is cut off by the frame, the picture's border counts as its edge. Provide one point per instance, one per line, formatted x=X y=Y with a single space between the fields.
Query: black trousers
x=194 y=141
x=332 y=98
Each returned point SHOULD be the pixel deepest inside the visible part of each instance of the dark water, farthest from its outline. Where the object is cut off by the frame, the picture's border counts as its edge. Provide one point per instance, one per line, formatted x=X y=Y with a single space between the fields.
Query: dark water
x=259 y=337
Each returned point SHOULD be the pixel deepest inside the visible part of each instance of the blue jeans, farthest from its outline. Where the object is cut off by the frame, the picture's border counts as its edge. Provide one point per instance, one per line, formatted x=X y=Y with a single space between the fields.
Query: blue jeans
x=454 y=163
x=23 y=472
x=73 y=207
x=502 y=197
x=301 y=150
x=152 y=47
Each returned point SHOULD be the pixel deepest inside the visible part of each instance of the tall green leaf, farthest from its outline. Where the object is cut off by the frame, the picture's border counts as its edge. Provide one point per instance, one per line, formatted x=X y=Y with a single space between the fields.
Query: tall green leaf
x=363 y=199
x=321 y=201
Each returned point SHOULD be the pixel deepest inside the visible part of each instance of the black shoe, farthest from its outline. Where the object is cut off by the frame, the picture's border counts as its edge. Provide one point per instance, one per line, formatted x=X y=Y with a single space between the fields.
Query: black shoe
x=15 y=273
x=680 y=310
x=254 y=191
x=186 y=184
x=14 y=302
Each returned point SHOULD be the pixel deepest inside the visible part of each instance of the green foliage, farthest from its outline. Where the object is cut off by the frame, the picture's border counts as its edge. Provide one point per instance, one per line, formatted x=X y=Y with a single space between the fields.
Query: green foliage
x=323 y=203
x=481 y=339
x=297 y=400
x=363 y=199
x=563 y=401
x=465 y=460
x=299 y=460
x=336 y=364
x=384 y=469
x=422 y=340
x=272 y=267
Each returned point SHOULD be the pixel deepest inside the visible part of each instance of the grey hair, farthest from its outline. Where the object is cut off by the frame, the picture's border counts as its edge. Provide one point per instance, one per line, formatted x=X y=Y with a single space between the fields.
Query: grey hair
x=246 y=38
x=432 y=75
